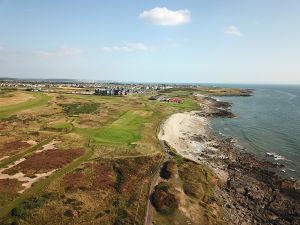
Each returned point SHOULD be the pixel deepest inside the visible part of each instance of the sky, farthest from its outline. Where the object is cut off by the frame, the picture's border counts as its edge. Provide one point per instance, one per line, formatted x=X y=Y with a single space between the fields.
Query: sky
x=197 y=41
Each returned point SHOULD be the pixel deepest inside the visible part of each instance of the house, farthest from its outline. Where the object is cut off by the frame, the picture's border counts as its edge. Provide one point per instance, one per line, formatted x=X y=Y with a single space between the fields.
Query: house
x=163 y=99
x=154 y=97
x=175 y=100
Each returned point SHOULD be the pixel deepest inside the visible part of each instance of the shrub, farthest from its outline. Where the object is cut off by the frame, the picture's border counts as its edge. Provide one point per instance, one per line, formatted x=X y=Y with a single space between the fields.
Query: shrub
x=167 y=169
x=164 y=201
x=80 y=108
x=18 y=212
x=69 y=213
x=120 y=177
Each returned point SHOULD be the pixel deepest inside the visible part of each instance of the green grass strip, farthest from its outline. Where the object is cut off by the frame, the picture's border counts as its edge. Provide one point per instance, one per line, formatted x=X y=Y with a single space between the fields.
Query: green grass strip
x=38 y=100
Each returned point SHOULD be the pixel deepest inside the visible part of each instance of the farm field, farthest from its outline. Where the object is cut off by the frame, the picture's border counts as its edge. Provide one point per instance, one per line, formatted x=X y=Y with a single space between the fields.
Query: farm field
x=84 y=158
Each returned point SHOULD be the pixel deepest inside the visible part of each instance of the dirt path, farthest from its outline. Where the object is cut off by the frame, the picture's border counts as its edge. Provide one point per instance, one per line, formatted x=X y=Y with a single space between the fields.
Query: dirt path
x=149 y=207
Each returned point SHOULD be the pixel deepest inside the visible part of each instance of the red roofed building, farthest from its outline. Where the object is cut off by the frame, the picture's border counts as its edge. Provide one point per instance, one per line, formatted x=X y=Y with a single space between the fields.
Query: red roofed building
x=175 y=100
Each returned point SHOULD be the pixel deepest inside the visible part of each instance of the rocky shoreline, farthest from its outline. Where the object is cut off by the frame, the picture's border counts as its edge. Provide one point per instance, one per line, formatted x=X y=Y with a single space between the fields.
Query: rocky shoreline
x=251 y=192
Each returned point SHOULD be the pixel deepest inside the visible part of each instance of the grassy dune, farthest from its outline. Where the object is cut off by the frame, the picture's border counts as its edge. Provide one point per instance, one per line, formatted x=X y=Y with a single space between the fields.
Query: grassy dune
x=38 y=100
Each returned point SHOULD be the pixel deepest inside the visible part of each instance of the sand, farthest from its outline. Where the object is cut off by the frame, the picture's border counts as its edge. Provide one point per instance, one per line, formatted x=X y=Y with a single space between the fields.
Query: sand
x=188 y=133
x=4 y=157
x=31 y=142
x=182 y=132
x=51 y=145
x=27 y=182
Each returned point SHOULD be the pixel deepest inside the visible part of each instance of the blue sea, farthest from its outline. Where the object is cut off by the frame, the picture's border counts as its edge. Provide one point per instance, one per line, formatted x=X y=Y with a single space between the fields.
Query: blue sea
x=267 y=124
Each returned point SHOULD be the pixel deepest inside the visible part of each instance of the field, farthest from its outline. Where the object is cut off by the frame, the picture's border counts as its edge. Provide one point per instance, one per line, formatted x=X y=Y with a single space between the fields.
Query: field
x=72 y=159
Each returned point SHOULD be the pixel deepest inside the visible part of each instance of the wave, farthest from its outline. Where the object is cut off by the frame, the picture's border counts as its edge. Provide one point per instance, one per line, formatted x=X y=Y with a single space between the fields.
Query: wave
x=275 y=156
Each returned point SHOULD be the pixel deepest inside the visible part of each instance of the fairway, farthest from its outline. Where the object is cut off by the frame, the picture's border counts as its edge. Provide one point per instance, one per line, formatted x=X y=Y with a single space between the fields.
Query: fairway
x=38 y=100
x=123 y=131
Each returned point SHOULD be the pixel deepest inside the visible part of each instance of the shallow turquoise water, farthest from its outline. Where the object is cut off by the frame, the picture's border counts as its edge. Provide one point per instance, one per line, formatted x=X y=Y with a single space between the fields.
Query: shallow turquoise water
x=267 y=122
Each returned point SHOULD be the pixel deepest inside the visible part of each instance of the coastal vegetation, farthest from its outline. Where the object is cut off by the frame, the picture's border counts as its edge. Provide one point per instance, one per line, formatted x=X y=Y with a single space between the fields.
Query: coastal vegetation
x=91 y=158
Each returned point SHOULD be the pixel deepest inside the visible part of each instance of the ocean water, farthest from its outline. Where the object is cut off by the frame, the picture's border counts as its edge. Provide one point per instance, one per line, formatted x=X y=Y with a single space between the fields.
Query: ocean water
x=267 y=124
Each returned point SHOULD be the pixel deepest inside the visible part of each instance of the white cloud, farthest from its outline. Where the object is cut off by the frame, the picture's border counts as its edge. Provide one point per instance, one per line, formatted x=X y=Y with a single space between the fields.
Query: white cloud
x=233 y=31
x=128 y=47
x=62 y=51
x=166 y=17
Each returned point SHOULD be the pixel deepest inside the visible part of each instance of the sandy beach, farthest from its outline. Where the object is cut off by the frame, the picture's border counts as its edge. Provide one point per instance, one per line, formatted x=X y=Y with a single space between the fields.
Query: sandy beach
x=182 y=132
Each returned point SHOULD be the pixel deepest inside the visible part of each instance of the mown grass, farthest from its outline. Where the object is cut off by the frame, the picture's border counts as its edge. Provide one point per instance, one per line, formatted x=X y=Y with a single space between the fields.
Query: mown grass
x=38 y=100
x=123 y=131
x=186 y=104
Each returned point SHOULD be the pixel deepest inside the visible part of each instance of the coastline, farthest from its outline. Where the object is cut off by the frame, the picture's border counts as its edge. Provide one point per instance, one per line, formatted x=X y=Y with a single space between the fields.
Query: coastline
x=251 y=190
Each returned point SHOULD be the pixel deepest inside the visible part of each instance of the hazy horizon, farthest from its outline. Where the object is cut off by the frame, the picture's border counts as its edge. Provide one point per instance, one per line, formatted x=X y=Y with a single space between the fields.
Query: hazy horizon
x=242 y=42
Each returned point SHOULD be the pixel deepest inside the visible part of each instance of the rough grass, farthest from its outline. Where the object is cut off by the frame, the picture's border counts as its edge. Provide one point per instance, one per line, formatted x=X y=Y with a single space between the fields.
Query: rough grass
x=38 y=100
x=12 y=98
x=88 y=195
x=80 y=108
x=198 y=180
x=193 y=185
x=59 y=127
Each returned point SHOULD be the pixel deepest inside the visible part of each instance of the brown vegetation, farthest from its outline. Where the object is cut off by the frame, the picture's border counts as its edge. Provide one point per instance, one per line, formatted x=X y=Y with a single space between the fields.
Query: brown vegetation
x=11 y=147
x=164 y=201
x=93 y=176
x=46 y=161
x=10 y=185
x=133 y=171
x=167 y=169
x=74 y=180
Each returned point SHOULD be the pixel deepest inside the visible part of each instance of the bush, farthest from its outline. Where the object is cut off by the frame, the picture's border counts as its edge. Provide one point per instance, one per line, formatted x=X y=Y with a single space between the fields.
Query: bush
x=69 y=213
x=120 y=177
x=123 y=218
x=167 y=169
x=80 y=108
x=19 y=212
x=164 y=201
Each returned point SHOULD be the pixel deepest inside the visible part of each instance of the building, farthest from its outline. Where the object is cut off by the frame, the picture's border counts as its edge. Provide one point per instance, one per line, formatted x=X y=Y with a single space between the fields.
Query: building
x=175 y=100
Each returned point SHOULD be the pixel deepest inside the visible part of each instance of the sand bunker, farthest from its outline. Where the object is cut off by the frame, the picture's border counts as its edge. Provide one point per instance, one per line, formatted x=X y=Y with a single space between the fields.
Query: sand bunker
x=31 y=142
x=50 y=145
x=26 y=181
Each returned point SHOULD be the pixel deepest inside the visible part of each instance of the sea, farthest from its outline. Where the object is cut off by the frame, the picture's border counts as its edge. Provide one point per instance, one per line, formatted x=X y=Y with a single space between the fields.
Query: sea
x=266 y=124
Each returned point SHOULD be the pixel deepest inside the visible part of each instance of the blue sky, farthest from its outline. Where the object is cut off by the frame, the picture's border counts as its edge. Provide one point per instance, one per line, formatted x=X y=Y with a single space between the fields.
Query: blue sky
x=233 y=41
